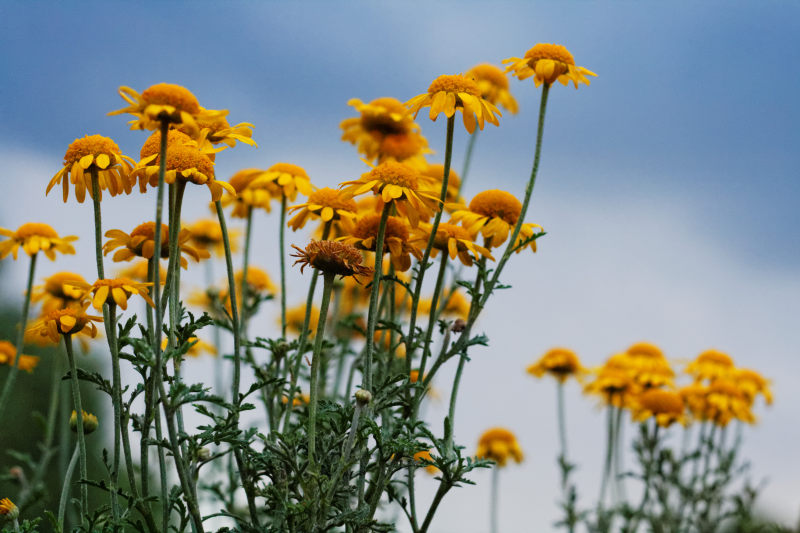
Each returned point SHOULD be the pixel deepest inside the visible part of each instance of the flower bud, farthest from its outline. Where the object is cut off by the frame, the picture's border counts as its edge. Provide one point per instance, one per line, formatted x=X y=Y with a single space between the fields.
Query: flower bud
x=458 y=326
x=203 y=454
x=363 y=397
x=90 y=422
x=8 y=510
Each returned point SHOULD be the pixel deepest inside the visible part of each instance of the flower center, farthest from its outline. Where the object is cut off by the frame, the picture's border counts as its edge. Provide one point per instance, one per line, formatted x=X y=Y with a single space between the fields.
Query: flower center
x=385 y=115
x=368 y=227
x=556 y=52
x=152 y=145
x=646 y=350
x=490 y=73
x=182 y=157
x=662 y=401
x=394 y=173
x=89 y=145
x=54 y=285
x=148 y=231
x=497 y=204
x=36 y=229
x=455 y=83
x=176 y=96
x=328 y=197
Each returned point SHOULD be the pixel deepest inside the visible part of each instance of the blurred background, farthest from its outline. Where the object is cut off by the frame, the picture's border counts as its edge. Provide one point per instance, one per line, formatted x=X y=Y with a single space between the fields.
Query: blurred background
x=669 y=188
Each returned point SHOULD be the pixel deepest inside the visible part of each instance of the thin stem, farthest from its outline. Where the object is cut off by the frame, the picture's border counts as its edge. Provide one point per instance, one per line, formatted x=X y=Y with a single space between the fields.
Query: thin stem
x=495 y=500
x=618 y=455
x=609 y=455
x=652 y=445
x=449 y=429
x=432 y=314
x=327 y=286
x=467 y=159
x=281 y=237
x=373 y=298
x=62 y=502
x=562 y=423
x=76 y=400
x=12 y=375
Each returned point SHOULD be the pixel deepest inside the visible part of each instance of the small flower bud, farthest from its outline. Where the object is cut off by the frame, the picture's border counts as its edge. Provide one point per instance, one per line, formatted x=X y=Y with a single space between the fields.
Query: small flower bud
x=458 y=326
x=90 y=422
x=203 y=454
x=8 y=510
x=363 y=397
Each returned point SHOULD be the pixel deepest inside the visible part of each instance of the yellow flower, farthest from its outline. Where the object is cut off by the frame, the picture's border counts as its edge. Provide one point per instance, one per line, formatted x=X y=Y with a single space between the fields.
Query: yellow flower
x=295 y=316
x=752 y=383
x=494 y=214
x=332 y=257
x=455 y=305
x=196 y=349
x=396 y=239
x=385 y=130
x=614 y=384
x=326 y=204
x=94 y=152
x=8 y=354
x=141 y=243
x=138 y=271
x=205 y=234
x=561 y=363
x=694 y=397
x=70 y=321
x=250 y=195
x=165 y=103
x=454 y=240
x=35 y=237
x=711 y=364
x=493 y=84
x=398 y=184
x=113 y=290
x=648 y=365
x=498 y=445
x=90 y=422
x=298 y=400
x=447 y=94
x=436 y=173
x=57 y=292
x=258 y=281
x=289 y=178
x=726 y=401
x=8 y=509
x=548 y=63
x=665 y=406
x=426 y=461
x=216 y=130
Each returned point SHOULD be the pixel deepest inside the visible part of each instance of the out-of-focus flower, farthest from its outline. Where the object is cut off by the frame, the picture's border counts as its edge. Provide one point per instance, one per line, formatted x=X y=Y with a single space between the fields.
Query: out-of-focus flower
x=666 y=406
x=138 y=271
x=436 y=173
x=216 y=130
x=453 y=304
x=250 y=195
x=141 y=243
x=494 y=214
x=205 y=234
x=8 y=510
x=548 y=63
x=711 y=364
x=8 y=354
x=396 y=239
x=197 y=347
x=499 y=445
x=295 y=316
x=447 y=94
x=90 y=422
x=726 y=401
x=615 y=385
x=35 y=237
x=70 y=321
x=94 y=152
x=299 y=400
x=289 y=178
x=57 y=291
x=332 y=257
x=561 y=363
x=493 y=84
x=752 y=383
x=426 y=461
x=326 y=204
x=648 y=365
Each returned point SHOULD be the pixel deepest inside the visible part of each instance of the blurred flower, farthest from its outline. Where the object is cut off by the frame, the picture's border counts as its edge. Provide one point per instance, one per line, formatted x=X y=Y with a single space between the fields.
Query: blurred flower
x=141 y=243
x=561 y=363
x=613 y=384
x=298 y=400
x=8 y=354
x=94 y=152
x=35 y=237
x=648 y=365
x=332 y=257
x=665 y=406
x=113 y=290
x=258 y=281
x=494 y=213
x=250 y=195
x=70 y=321
x=426 y=461
x=197 y=347
x=57 y=291
x=711 y=364
x=548 y=63
x=289 y=178
x=752 y=383
x=726 y=401
x=90 y=422
x=447 y=94
x=326 y=204
x=396 y=239
x=493 y=84
x=295 y=316
x=216 y=130
x=498 y=445
x=454 y=240
x=436 y=172
x=8 y=510
x=206 y=234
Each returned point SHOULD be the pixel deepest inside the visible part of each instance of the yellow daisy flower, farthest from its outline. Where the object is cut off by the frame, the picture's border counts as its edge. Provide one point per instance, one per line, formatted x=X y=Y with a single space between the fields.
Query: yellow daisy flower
x=326 y=204
x=94 y=152
x=332 y=257
x=447 y=94
x=141 y=243
x=711 y=364
x=8 y=510
x=494 y=86
x=396 y=239
x=289 y=178
x=216 y=130
x=295 y=316
x=454 y=240
x=205 y=234
x=456 y=305
x=250 y=195
x=8 y=355
x=726 y=401
x=165 y=102
x=665 y=406
x=35 y=237
x=436 y=173
x=752 y=383
x=57 y=291
x=648 y=365
x=548 y=63
x=694 y=397
x=299 y=400
x=258 y=281
x=70 y=321
x=494 y=214
x=113 y=290
x=399 y=184
x=561 y=363
x=499 y=445
x=614 y=384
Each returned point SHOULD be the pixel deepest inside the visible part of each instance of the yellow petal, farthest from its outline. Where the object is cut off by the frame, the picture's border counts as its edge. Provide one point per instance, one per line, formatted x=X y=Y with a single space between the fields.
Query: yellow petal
x=86 y=161
x=103 y=161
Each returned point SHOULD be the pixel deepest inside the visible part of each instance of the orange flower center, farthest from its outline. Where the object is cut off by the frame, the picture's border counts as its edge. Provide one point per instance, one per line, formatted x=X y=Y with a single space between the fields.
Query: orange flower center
x=496 y=204
x=490 y=73
x=661 y=401
x=455 y=83
x=152 y=145
x=393 y=173
x=176 y=96
x=182 y=157
x=555 y=52
x=377 y=116
x=80 y=320
x=368 y=227
x=89 y=145
x=327 y=197
x=54 y=285
x=36 y=229
x=646 y=350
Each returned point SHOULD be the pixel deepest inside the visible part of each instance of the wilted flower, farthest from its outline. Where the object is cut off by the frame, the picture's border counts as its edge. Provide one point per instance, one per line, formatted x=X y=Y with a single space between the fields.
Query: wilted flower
x=332 y=257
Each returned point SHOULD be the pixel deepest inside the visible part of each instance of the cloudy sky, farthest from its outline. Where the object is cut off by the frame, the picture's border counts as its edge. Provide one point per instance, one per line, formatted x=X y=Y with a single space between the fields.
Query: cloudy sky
x=668 y=188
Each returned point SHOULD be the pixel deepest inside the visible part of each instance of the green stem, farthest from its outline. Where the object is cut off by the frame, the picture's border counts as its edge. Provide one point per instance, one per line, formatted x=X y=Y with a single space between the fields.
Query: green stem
x=62 y=502
x=76 y=400
x=281 y=238
x=12 y=375
x=495 y=500
x=652 y=445
x=618 y=455
x=327 y=286
x=450 y=425
x=562 y=422
x=609 y=455
x=432 y=314
x=373 y=298
x=245 y=267
x=467 y=159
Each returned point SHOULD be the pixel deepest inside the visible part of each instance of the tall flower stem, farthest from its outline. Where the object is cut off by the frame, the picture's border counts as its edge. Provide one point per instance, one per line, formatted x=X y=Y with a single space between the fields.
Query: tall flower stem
x=373 y=298
x=327 y=286
x=448 y=156
x=301 y=343
x=609 y=455
x=76 y=400
x=494 y=500
x=62 y=501
x=467 y=159
x=562 y=421
x=281 y=238
x=451 y=415
x=237 y=363
x=618 y=455
x=12 y=375
x=651 y=444
x=426 y=350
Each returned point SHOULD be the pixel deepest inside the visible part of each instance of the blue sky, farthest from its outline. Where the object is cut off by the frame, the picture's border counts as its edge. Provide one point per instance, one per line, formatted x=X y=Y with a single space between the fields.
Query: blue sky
x=669 y=188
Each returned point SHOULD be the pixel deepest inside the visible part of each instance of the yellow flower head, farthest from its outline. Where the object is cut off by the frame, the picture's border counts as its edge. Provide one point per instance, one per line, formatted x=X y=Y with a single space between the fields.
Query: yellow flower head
x=94 y=153
x=648 y=365
x=665 y=406
x=216 y=130
x=453 y=305
x=561 y=363
x=165 y=103
x=493 y=84
x=57 y=291
x=70 y=321
x=141 y=243
x=725 y=400
x=385 y=130
x=752 y=383
x=8 y=355
x=396 y=239
x=8 y=510
x=548 y=63
x=614 y=384
x=295 y=316
x=258 y=281
x=711 y=364
x=289 y=178
x=426 y=461
x=326 y=204
x=498 y=445
x=113 y=290
x=436 y=173
x=454 y=240
x=90 y=422
x=332 y=257
x=299 y=400
x=494 y=214
x=399 y=184
x=205 y=234
x=447 y=94
x=250 y=193
x=196 y=349
x=35 y=237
